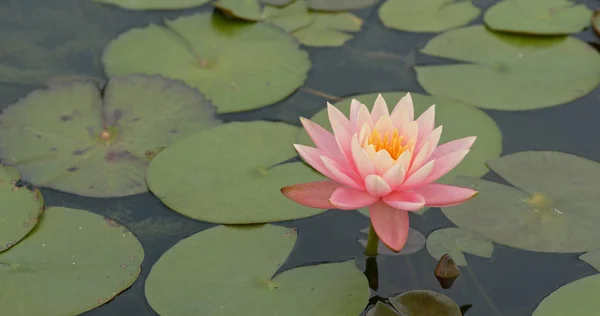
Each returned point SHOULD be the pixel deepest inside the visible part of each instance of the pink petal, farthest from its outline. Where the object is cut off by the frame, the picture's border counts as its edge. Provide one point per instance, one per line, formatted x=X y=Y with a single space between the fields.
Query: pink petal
x=418 y=177
x=440 y=195
x=433 y=139
x=312 y=156
x=312 y=194
x=403 y=112
x=394 y=176
x=407 y=201
x=376 y=186
x=404 y=160
x=351 y=199
x=457 y=144
x=382 y=161
x=364 y=117
x=379 y=108
x=446 y=163
x=420 y=158
x=323 y=139
x=354 y=108
x=363 y=163
x=390 y=224
x=342 y=130
x=341 y=174
x=426 y=124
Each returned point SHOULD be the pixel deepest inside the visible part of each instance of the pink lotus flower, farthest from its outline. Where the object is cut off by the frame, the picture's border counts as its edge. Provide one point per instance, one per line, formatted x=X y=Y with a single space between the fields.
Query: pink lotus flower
x=388 y=162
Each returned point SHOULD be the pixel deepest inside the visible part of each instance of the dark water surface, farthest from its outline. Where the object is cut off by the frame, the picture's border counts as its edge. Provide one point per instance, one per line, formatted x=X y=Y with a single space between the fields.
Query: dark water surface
x=512 y=283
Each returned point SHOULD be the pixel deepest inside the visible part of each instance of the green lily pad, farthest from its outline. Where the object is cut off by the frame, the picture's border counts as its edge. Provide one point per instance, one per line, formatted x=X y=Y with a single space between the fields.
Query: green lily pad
x=243 y=9
x=548 y=17
x=291 y=17
x=427 y=15
x=455 y=242
x=276 y=2
x=230 y=174
x=155 y=4
x=329 y=29
x=20 y=209
x=554 y=206
x=382 y=309
x=596 y=22
x=207 y=269
x=576 y=298
x=459 y=120
x=592 y=258
x=414 y=243
x=339 y=5
x=510 y=72
x=55 y=136
x=72 y=262
x=425 y=303
x=238 y=65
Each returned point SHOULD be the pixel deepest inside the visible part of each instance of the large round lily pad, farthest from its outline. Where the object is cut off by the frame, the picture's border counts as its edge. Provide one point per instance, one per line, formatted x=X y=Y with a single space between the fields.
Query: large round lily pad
x=554 y=205
x=417 y=303
x=207 y=274
x=510 y=72
x=339 y=5
x=72 y=262
x=19 y=210
x=238 y=65
x=229 y=174
x=72 y=138
x=155 y=4
x=459 y=120
x=427 y=15
x=548 y=17
x=576 y=298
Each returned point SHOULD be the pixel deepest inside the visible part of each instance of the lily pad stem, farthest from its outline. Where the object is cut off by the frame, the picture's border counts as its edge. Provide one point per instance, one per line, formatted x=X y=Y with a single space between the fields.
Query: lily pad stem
x=372 y=243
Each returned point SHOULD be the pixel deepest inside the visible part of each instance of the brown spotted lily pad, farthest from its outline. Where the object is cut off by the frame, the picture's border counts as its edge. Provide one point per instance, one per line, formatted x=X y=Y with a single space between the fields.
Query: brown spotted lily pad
x=78 y=139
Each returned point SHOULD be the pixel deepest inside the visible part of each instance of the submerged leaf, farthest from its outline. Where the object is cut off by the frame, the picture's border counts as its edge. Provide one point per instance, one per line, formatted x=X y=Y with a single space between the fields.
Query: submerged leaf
x=510 y=72
x=72 y=262
x=237 y=180
x=155 y=4
x=427 y=15
x=576 y=298
x=238 y=65
x=554 y=207
x=207 y=265
x=455 y=242
x=74 y=139
x=20 y=208
x=548 y=17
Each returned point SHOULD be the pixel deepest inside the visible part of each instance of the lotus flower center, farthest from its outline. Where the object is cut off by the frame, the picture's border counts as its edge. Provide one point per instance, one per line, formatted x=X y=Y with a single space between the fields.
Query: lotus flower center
x=390 y=143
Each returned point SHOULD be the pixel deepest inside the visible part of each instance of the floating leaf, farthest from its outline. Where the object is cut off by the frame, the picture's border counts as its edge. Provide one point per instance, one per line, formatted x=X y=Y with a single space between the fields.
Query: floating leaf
x=243 y=9
x=73 y=139
x=459 y=120
x=276 y=2
x=596 y=22
x=382 y=309
x=414 y=243
x=427 y=15
x=19 y=211
x=291 y=17
x=238 y=180
x=329 y=29
x=455 y=242
x=207 y=265
x=425 y=303
x=548 y=17
x=592 y=258
x=554 y=207
x=238 y=65
x=339 y=5
x=576 y=298
x=510 y=72
x=155 y=4
x=72 y=262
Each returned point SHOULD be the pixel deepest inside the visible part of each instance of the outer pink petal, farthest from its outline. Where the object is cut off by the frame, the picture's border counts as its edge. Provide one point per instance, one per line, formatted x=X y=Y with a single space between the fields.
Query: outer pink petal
x=446 y=163
x=376 y=186
x=390 y=224
x=379 y=108
x=433 y=139
x=403 y=111
x=312 y=156
x=407 y=201
x=354 y=108
x=394 y=176
x=364 y=117
x=323 y=139
x=426 y=124
x=440 y=195
x=457 y=144
x=342 y=130
x=420 y=158
x=341 y=174
x=363 y=162
x=351 y=199
x=419 y=176
x=312 y=194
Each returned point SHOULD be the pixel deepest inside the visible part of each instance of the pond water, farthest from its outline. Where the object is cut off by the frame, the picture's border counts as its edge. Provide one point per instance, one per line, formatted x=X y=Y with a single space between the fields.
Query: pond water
x=376 y=59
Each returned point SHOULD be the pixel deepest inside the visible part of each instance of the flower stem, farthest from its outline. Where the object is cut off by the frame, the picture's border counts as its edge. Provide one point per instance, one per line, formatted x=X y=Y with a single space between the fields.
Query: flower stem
x=372 y=243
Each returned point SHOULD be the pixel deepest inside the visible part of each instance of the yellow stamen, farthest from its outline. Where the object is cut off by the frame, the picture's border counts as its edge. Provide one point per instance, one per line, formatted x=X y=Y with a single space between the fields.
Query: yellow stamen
x=390 y=143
